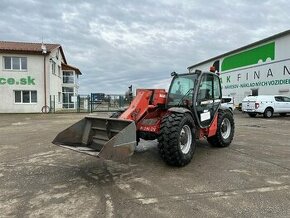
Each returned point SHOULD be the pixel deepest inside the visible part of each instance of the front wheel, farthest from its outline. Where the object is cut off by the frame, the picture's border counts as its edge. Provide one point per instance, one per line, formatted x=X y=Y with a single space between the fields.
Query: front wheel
x=177 y=139
x=225 y=130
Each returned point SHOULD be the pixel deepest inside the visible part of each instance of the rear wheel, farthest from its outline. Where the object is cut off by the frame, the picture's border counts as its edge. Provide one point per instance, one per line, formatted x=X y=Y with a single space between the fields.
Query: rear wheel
x=177 y=139
x=252 y=114
x=225 y=130
x=268 y=113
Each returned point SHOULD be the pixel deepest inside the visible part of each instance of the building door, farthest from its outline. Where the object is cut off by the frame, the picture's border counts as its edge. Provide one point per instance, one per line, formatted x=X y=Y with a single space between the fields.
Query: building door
x=67 y=97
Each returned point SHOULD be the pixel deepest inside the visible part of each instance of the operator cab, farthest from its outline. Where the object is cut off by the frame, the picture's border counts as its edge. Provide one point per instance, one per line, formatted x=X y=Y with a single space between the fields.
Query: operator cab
x=200 y=92
x=181 y=90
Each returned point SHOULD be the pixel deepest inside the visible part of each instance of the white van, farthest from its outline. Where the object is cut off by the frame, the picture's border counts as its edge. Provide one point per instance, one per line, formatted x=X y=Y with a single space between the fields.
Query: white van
x=228 y=103
x=266 y=105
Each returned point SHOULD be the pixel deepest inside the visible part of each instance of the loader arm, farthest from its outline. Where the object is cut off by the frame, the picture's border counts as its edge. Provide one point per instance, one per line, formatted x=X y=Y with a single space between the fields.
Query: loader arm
x=138 y=107
x=145 y=101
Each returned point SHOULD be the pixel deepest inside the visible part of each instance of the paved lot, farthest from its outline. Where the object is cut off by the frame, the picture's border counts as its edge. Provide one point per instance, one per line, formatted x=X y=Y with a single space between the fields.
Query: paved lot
x=251 y=178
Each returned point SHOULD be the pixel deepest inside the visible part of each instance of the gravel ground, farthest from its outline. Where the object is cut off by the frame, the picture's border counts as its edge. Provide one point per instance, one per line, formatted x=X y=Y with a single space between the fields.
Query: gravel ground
x=251 y=178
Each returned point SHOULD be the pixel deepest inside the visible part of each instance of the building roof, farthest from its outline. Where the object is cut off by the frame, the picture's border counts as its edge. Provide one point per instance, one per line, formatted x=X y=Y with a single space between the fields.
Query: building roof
x=69 y=67
x=28 y=48
x=287 y=32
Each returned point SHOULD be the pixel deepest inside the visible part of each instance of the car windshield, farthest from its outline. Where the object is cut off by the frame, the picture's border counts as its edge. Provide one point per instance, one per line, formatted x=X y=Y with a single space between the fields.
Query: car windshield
x=181 y=89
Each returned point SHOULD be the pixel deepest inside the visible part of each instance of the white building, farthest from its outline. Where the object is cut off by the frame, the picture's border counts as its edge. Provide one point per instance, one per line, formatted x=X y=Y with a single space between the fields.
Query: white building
x=260 y=68
x=35 y=78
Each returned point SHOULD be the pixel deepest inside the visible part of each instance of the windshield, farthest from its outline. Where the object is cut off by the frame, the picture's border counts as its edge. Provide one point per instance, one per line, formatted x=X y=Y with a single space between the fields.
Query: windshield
x=181 y=89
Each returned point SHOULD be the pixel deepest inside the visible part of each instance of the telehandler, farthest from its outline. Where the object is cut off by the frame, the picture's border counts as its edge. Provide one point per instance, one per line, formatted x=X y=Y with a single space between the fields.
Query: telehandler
x=189 y=111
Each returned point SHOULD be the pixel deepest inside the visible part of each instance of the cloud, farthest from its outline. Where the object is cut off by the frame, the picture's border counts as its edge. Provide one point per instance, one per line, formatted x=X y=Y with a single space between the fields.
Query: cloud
x=119 y=43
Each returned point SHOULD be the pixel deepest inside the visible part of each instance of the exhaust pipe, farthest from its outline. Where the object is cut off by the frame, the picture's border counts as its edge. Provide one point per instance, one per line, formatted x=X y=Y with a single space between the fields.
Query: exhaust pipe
x=107 y=138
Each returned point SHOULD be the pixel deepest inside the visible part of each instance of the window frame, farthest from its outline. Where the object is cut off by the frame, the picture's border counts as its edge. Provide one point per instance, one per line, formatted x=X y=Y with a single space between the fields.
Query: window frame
x=20 y=58
x=68 y=94
x=64 y=77
x=59 y=97
x=59 y=71
x=286 y=99
x=21 y=97
x=53 y=67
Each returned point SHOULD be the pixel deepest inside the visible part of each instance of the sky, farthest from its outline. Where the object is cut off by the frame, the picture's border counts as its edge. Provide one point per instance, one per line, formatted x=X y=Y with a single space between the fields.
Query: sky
x=118 y=43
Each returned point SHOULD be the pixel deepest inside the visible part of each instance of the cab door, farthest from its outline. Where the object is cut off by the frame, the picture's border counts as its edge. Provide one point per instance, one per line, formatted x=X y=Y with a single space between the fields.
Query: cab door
x=279 y=104
x=207 y=99
x=286 y=105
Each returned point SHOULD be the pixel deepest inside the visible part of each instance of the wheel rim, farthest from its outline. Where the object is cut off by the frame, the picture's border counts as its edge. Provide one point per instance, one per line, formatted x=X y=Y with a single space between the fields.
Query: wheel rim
x=226 y=128
x=269 y=113
x=185 y=139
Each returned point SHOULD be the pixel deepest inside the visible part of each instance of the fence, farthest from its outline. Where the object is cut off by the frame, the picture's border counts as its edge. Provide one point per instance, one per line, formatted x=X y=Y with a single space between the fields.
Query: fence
x=109 y=103
x=83 y=103
x=89 y=104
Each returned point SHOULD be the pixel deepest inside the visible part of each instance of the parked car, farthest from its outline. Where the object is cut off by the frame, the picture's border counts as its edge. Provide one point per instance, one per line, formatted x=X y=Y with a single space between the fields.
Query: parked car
x=228 y=102
x=266 y=105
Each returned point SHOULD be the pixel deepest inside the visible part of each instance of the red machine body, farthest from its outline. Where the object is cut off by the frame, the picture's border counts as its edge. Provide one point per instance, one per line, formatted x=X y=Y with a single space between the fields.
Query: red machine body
x=147 y=110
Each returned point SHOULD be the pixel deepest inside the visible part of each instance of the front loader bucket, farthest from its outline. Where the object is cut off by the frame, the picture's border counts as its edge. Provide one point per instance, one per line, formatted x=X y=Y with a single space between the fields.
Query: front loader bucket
x=108 y=138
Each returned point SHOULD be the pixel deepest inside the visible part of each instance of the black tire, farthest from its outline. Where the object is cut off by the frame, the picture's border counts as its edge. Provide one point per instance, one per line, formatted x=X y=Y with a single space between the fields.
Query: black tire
x=175 y=146
x=116 y=114
x=283 y=114
x=252 y=114
x=268 y=113
x=225 y=130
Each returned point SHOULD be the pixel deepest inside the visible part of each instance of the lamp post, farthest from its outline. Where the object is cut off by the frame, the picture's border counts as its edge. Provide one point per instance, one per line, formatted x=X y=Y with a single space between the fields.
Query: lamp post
x=44 y=51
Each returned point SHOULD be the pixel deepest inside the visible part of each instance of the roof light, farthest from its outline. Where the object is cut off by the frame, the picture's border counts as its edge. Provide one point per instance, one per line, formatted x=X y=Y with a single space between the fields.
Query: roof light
x=173 y=74
x=212 y=69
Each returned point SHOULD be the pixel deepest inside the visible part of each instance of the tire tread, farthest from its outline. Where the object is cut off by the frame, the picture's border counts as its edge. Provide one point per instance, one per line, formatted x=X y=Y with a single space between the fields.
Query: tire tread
x=169 y=140
x=217 y=140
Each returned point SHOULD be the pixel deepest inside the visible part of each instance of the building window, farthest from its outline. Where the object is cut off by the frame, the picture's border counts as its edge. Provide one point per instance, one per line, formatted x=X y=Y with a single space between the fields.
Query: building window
x=58 y=71
x=53 y=67
x=67 y=94
x=68 y=77
x=57 y=54
x=25 y=96
x=15 y=63
x=59 y=97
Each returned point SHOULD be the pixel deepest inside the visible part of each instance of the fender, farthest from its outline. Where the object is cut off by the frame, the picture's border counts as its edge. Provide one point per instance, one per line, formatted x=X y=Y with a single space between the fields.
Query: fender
x=180 y=110
x=226 y=110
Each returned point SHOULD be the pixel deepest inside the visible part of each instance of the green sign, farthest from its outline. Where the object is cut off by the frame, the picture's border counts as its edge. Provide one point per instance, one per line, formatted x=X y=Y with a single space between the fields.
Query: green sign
x=22 y=81
x=249 y=57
